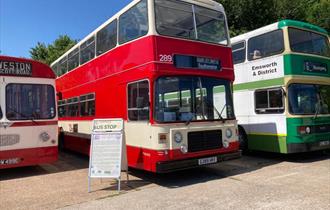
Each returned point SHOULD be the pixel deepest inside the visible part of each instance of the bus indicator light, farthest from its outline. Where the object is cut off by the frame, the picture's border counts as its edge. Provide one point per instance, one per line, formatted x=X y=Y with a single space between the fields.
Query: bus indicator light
x=304 y=130
x=225 y=143
x=162 y=138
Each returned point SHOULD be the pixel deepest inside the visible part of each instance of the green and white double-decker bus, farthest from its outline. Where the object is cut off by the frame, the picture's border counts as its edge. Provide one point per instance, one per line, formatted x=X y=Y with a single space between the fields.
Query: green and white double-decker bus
x=282 y=87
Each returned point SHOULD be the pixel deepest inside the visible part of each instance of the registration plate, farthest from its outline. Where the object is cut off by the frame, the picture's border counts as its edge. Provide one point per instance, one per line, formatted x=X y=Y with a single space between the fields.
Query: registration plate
x=10 y=161
x=324 y=143
x=209 y=160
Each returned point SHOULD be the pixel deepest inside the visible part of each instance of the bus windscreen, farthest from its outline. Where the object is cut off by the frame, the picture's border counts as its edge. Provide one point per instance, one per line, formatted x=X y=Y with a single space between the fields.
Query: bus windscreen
x=30 y=102
x=187 y=98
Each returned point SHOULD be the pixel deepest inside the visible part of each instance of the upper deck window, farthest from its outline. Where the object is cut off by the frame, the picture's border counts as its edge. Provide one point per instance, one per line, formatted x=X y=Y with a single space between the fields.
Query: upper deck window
x=184 y=20
x=265 y=45
x=73 y=59
x=308 y=42
x=63 y=66
x=106 y=38
x=87 y=50
x=133 y=23
x=55 y=68
x=239 y=54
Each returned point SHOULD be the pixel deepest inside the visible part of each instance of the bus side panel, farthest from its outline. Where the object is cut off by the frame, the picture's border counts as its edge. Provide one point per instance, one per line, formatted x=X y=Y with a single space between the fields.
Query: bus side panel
x=267 y=132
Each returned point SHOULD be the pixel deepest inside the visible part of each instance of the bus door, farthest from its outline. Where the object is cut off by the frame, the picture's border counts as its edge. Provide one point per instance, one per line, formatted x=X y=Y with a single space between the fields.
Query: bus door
x=1 y=110
x=9 y=141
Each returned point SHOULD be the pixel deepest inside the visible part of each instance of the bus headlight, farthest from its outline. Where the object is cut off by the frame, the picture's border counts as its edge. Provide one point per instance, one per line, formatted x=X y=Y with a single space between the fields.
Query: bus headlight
x=44 y=136
x=184 y=149
x=178 y=137
x=229 y=133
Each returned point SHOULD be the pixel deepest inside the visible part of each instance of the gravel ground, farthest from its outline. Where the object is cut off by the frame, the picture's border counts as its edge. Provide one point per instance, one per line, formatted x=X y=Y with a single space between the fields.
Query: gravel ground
x=256 y=181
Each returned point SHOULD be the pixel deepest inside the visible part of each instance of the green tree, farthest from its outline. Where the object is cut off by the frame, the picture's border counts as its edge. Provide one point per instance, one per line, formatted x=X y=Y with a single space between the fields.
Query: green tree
x=48 y=54
x=292 y=9
x=247 y=15
x=39 y=52
x=319 y=14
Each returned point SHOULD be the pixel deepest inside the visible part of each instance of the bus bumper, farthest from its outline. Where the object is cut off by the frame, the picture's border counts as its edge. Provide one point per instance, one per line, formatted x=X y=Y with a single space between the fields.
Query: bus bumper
x=28 y=157
x=170 y=166
x=308 y=147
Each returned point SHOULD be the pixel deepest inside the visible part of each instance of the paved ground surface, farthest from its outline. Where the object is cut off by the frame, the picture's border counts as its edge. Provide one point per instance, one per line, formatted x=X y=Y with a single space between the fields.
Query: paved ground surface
x=256 y=181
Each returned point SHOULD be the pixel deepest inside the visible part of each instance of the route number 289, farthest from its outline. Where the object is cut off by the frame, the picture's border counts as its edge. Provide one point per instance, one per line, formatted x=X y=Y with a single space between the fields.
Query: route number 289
x=165 y=58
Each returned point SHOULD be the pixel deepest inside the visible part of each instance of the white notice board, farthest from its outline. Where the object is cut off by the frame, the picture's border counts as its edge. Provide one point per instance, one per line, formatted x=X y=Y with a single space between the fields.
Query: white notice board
x=105 y=156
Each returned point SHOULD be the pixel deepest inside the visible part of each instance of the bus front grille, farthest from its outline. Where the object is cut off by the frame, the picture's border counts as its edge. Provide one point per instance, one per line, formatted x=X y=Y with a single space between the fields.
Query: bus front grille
x=204 y=140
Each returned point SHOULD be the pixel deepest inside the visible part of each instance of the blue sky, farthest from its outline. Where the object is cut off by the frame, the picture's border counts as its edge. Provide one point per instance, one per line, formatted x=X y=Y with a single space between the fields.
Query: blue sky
x=24 y=23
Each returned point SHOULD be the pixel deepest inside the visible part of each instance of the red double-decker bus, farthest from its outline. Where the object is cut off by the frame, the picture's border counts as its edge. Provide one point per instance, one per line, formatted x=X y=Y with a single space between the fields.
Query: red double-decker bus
x=28 y=119
x=165 y=67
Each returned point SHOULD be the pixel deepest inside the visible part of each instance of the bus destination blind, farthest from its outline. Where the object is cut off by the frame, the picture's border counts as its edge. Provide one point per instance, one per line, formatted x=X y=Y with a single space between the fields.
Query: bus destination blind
x=15 y=68
x=186 y=61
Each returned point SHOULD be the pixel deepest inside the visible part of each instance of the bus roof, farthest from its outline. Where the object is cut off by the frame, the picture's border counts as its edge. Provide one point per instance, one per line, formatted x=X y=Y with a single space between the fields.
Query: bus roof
x=299 y=24
x=24 y=67
x=278 y=25
x=211 y=4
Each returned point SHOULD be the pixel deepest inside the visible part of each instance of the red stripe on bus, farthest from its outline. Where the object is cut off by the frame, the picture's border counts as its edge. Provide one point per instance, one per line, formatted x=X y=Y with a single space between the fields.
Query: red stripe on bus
x=28 y=157
x=37 y=123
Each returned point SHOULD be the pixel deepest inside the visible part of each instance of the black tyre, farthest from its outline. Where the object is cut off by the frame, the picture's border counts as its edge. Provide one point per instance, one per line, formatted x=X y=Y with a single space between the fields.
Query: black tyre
x=242 y=139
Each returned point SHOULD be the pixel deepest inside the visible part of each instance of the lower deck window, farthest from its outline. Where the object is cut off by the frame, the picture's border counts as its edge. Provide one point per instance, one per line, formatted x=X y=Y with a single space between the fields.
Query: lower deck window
x=73 y=107
x=269 y=101
x=87 y=105
x=62 y=108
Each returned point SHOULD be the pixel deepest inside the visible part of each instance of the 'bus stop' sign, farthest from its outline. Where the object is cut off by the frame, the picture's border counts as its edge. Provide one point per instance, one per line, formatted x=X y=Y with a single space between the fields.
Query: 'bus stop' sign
x=106 y=152
x=106 y=125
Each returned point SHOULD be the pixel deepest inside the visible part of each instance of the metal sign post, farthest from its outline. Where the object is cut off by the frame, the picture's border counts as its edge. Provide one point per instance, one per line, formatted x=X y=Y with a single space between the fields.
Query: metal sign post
x=107 y=151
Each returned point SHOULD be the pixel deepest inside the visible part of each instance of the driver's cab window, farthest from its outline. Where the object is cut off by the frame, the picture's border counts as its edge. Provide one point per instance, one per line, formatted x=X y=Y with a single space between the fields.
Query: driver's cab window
x=138 y=101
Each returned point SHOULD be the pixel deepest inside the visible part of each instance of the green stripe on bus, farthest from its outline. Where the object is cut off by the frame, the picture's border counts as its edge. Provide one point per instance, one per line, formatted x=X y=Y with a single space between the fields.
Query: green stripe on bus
x=300 y=24
x=295 y=64
x=259 y=84
x=267 y=143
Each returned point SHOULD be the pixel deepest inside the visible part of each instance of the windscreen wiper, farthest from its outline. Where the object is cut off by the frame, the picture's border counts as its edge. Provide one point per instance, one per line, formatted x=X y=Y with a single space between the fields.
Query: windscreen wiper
x=23 y=115
x=215 y=109
x=318 y=105
x=189 y=120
